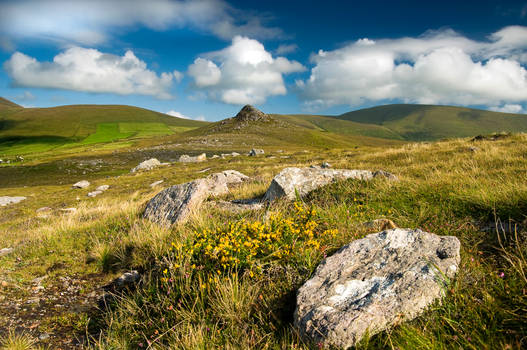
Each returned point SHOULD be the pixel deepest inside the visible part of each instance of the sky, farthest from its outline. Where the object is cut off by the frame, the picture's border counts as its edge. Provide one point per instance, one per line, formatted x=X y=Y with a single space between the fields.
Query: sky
x=205 y=59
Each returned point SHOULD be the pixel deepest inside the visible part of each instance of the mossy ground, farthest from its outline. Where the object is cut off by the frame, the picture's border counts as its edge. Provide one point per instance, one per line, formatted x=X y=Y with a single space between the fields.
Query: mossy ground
x=444 y=188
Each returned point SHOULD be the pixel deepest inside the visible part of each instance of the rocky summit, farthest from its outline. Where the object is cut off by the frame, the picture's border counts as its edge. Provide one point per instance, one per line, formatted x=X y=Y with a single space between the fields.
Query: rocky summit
x=250 y=113
x=374 y=283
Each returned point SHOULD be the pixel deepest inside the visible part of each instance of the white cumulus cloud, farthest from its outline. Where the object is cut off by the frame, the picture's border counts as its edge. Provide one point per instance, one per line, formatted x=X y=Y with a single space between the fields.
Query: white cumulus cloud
x=437 y=67
x=91 y=22
x=90 y=70
x=177 y=114
x=508 y=108
x=242 y=73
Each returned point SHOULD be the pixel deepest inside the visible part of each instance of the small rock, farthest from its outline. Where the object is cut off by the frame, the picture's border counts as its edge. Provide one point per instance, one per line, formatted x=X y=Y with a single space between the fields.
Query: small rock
x=81 y=184
x=238 y=206
x=185 y=158
x=473 y=149
x=147 y=165
x=203 y=171
x=154 y=184
x=127 y=278
x=102 y=188
x=94 y=193
x=6 y=200
x=235 y=154
x=5 y=251
x=43 y=336
x=214 y=156
x=384 y=174
x=325 y=165
x=256 y=151
x=44 y=210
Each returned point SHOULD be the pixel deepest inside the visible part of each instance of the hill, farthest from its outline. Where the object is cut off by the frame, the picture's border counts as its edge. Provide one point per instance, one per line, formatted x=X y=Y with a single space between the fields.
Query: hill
x=26 y=130
x=254 y=128
x=430 y=122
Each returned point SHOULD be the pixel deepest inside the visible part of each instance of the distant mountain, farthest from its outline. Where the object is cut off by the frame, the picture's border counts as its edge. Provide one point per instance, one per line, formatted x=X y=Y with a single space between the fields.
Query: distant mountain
x=430 y=122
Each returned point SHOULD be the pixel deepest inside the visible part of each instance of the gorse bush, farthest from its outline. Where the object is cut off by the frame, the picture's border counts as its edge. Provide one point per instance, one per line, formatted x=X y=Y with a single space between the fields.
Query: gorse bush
x=244 y=245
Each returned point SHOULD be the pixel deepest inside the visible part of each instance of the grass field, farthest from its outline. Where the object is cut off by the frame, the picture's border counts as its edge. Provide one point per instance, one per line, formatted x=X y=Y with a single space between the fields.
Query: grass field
x=183 y=302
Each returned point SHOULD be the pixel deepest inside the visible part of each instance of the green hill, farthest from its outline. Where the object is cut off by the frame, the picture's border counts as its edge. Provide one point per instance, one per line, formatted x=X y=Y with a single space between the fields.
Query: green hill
x=429 y=122
x=296 y=130
x=27 y=130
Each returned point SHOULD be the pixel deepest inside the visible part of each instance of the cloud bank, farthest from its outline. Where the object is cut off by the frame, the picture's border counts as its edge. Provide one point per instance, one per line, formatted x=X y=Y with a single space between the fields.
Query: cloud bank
x=439 y=67
x=91 y=22
x=242 y=73
x=177 y=114
x=90 y=70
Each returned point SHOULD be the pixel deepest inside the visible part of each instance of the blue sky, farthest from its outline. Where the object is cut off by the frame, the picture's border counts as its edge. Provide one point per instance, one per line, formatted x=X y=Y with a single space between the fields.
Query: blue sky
x=205 y=59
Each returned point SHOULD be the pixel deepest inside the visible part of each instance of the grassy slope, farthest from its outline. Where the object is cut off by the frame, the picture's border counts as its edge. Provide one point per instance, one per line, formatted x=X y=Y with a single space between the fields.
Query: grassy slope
x=428 y=122
x=297 y=131
x=27 y=130
x=444 y=188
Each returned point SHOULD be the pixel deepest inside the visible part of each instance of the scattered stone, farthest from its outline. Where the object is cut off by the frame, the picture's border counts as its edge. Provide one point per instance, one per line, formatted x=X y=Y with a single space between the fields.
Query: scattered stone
x=185 y=158
x=214 y=156
x=43 y=336
x=175 y=204
x=127 y=279
x=94 y=194
x=239 y=206
x=373 y=283
x=304 y=180
x=473 y=149
x=102 y=188
x=6 y=200
x=81 y=184
x=154 y=184
x=256 y=152
x=5 y=251
x=384 y=174
x=380 y=225
x=235 y=154
x=147 y=165
x=203 y=171
x=492 y=137
x=325 y=165
x=44 y=210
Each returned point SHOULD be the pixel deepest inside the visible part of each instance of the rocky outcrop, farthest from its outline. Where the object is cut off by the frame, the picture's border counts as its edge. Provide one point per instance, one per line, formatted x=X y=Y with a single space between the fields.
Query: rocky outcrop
x=175 y=204
x=147 y=165
x=81 y=184
x=185 y=158
x=373 y=283
x=304 y=180
x=250 y=114
x=6 y=200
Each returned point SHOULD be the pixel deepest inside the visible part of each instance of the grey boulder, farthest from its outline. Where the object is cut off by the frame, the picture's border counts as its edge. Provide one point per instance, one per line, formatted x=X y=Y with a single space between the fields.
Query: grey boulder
x=147 y=165
x=256 y=152
x=374 y=283
x=304 y=180
x=175 y=204
x=81 y=184
x=188 y=159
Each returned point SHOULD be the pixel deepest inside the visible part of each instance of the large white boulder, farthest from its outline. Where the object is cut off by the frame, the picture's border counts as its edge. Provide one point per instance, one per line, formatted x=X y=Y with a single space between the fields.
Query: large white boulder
x=304 y=180
x=373 y=283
